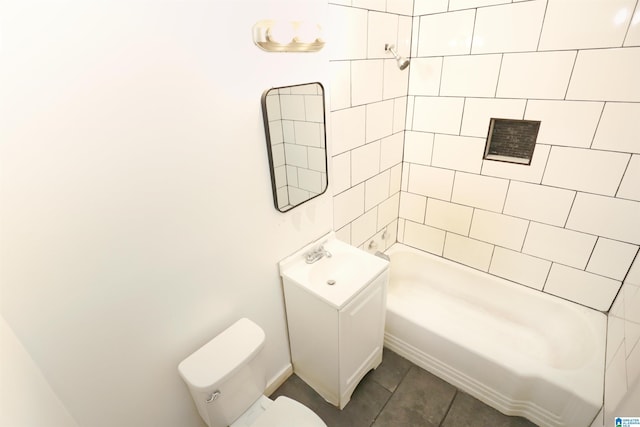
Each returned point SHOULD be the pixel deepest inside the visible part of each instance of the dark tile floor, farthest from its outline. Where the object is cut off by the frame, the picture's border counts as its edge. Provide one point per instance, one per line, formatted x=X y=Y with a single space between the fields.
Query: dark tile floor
x=401 y=394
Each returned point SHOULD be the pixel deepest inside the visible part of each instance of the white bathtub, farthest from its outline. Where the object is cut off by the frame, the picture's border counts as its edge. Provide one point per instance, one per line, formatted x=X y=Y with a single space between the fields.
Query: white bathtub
x=518 y=350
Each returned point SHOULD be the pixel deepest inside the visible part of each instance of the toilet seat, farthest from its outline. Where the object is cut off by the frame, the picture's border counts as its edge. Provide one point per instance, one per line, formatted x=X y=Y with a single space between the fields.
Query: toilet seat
x=285 y=412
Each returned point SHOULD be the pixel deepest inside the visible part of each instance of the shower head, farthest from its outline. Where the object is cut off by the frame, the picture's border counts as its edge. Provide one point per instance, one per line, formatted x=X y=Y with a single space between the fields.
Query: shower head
x=402 y=62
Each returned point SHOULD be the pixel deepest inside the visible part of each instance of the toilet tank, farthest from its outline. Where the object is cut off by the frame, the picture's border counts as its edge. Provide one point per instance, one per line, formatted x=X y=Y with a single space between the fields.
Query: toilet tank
x=228 y=374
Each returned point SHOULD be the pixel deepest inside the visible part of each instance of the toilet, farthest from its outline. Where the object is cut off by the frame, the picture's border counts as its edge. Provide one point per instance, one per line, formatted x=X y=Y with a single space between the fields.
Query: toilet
x=227 y=378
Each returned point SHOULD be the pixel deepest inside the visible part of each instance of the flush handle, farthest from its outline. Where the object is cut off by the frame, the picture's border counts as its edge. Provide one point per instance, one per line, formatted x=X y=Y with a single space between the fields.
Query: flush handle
x=213 y=396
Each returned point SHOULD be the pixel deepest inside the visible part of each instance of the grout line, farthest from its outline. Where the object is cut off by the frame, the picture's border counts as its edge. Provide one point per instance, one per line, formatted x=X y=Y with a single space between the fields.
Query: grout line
x=544 y=17
x=626 y=34
x=495 y=94
x=573 y=67
x=623 y=175
x=449 y=408
x=595 y=131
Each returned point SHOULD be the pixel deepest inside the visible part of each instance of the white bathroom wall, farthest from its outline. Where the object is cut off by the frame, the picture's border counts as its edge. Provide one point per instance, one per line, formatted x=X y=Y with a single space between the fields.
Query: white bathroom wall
x=622 y=378
x=568 y=224
x=137 y=216
x=368 y=115
x=23 y=387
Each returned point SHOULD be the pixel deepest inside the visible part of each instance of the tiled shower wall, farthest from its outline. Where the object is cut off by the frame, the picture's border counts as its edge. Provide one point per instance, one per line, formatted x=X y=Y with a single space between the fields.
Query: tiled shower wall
x=623 y=349
x=568 y=224
x=368 y=111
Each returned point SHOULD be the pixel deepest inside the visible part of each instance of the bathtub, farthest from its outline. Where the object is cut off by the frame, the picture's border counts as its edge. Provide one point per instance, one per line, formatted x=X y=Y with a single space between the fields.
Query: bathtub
x=516 y=349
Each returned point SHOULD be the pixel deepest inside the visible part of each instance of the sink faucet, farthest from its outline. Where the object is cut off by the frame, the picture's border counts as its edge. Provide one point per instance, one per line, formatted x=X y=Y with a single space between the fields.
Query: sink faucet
x=316 y=254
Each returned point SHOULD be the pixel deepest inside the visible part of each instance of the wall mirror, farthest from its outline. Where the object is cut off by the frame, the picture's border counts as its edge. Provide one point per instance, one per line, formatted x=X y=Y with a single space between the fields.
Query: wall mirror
x=294 y=123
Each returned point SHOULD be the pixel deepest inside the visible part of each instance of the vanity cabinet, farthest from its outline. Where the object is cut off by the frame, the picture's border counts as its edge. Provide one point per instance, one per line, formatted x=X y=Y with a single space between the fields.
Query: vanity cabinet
x=336 y=335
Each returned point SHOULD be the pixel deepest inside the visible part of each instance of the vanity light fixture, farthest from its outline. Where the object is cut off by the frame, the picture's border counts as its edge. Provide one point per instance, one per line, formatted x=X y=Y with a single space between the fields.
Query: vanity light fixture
x=287 y=36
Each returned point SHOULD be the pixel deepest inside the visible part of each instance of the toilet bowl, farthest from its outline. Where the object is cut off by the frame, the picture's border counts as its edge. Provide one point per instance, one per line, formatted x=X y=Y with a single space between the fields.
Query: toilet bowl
x=227 y=377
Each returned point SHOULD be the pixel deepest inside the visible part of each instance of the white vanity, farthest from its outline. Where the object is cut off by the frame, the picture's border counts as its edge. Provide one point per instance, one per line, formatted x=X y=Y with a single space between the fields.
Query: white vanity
x=336 y=306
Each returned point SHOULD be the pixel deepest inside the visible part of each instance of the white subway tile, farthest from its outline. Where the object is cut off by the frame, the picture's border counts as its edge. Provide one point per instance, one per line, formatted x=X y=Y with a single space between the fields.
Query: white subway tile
x=366 y=81
x=396 y=81
x=404 y=35
x=619 y=128
x=448 y=216
x=277 y=151
x=341 y=172
x=379 y=120
x=479 y=191
x=446 y=33
x=401 y=227
x=434 y=114
x=630 y=187
x=424 y=77
x=275 y=132
x=472 y=75
x=615 y=384
x=467 y=251
x=283 y=197
x=376 y=190
x=310 y=180
x=535 y=75
x=411 y=100
x=344 y=234
x=582 y=287
x=605 y=216
x=399 y=114
x=415 y=33
x=425 y=7
x=383 y=28
x=479 y=111
x=633 y=35
x=611 y=258
x=273 y=105
x=363 y=227
x=508 y=28
x=348 y=33
x=606 y=75
x=418 y=147
x=531 y=173
x=348 y=205
x=308 y=133
x=423 y=237
x=347 y=129
x=316 y=157
x=558 y=244
x=314 y=108
x=412 y=207
x=402 y=7
x=395 y=179
x=391 y=150
x=615 y=329
x=280 y=175
x=297 y=195
x=288 y=133
x=370 y=4
x=463 y=153
x=595 y=24
x=468 y=4
x=296 y=155
x=292 y=175
x=404 y=184
x=539 y=203
x=568 y=123
x=388 y=211
x=365 y=162
x=431 y=182
x=527 y=270
x=498 y=229
x=593 y=171
x=292 y=107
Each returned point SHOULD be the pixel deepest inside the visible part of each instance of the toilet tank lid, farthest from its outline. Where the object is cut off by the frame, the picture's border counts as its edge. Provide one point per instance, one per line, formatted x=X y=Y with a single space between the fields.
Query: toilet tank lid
x=221 y=357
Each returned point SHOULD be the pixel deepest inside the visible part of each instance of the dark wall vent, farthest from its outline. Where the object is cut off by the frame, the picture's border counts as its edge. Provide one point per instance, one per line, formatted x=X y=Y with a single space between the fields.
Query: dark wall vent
x=511 y=141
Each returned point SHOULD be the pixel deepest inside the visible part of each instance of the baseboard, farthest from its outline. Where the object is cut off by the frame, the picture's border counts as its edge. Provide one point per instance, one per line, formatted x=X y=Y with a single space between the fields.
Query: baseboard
x=274 y=383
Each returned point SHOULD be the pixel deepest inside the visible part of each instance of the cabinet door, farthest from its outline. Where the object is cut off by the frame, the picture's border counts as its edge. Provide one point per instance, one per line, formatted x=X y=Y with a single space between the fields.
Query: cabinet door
x=362 y=332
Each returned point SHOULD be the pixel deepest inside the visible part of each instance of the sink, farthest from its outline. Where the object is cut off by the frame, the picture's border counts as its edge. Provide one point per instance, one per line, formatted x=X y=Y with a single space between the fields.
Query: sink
x=336 y=279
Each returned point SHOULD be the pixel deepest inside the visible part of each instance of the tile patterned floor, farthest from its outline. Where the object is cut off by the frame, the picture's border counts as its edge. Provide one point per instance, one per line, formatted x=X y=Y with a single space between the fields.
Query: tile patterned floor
x=401 y=394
